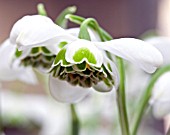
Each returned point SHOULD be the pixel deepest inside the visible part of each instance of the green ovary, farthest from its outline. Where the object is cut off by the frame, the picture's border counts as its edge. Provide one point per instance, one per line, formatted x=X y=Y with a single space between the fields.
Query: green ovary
x=84 y=53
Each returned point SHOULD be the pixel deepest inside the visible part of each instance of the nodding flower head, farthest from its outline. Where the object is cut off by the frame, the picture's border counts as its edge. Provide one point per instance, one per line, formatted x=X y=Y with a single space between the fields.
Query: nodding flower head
x=37 y=50
x=82 y=63
x=12 y=70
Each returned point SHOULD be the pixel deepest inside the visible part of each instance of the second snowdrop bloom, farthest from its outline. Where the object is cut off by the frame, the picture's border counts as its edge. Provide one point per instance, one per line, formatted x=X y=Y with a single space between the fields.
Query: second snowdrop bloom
x=35 y=37
x=80 y=62
x=163 y=45
x=10 y=70
x=161 y=91
x=160 y=96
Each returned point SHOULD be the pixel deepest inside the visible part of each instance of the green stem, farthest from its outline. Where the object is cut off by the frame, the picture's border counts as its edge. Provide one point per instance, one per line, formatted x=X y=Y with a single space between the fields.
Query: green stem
x=79 y=20
x=61 y=20
x=41 y=9
x=143 y=103
x=1 y=123
x=85 y=24
x=121 y=100
x=75 y=121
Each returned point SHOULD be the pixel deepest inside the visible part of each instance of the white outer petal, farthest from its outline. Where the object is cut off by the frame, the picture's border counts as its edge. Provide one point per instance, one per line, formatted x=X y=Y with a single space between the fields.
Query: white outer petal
x=37 y=30
x=12 y=71
x=163 y=45
x=7 y=51
x=136 y=51
x=28 y=76
x=62 y=91
x=75 y=32
x=161 y=96
x=81 y=43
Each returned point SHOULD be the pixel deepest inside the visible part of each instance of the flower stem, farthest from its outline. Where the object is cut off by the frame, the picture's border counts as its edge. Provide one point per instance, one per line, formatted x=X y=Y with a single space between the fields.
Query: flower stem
x=79 y=20
x=61 y=20
x=74 y=120
x=84 y=29
x=1 y=123
x=41 y=9
x=143 y=103
x=121 y=100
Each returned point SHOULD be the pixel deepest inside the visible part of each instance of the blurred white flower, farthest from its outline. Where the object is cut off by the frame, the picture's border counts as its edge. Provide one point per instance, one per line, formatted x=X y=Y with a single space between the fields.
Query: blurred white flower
x=161 y=96
x=80 y=61
x=51 y=117
x=12 y=70
x=161 y=91
x=163 y=45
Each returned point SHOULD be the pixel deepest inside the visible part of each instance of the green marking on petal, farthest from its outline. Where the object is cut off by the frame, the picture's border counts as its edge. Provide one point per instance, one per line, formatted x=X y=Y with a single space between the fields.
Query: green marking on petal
x=45 y=50
x=86 y=72
x=49 y=58
x=107 y=73
x=107 y=82
x=109 y=67
x=84 y=53
x=69 y=70
x=80 y=67
x=61 y=57
x=35 y=50
x=18 y=53
x=62 y=44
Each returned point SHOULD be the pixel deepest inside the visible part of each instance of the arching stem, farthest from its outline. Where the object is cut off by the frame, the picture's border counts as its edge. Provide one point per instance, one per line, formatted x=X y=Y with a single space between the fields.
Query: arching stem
x=143 y=103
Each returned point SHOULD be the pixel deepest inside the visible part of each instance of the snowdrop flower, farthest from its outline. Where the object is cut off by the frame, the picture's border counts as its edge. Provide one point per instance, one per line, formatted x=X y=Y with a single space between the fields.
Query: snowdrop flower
x=10 y=70
x=163 y=45
x=160 y=96
x=41 y=52
x=80 y=62
x=161 y=91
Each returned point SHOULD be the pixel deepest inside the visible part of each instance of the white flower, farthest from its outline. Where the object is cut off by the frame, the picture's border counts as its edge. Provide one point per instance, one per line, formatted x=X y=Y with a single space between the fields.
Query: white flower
x=81 y=62
x=160 y=96
x=163 y=45
x=15 y=106
x=10 y=70
x=41 y=52
x=161 y=92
